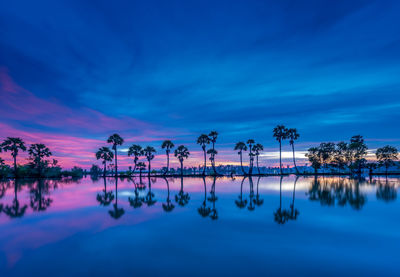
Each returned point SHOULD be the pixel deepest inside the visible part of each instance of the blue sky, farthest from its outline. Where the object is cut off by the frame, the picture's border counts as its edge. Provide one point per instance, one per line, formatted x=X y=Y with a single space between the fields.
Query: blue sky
x=175 y=69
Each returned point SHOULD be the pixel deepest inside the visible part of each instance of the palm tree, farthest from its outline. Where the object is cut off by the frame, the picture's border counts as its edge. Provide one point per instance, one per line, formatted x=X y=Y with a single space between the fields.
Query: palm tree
x=203 y=140
x=257 y=151
x=141 y=166
x=241 y=203
x=293 y=136
x=250 y=143
x=168 y=206
x=241 y=146
x=136 y=151
x=15 y=210
x=13 y=145
x=203 y=210
x=182 y=153
x=280 y=133
x=167 y=145
x=105 y=154
x=149 y=153
x=37 y=153
x=116 y=140
x=213 y=139
x=107 y=197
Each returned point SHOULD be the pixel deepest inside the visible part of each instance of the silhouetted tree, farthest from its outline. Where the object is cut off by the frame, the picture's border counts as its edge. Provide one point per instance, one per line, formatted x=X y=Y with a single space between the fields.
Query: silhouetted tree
x=241 y=146
x=149 y=153
x=37 y=153
x=358 y=150
x=106 y=197
x=182 y=153
x=167 y=145
x=203 y=140
x=257 y=151
x=141 y=166
x=293 y=135
x=105 y=154
x=213 y=139
x=116 y=140
x=136 y=151
x=13 y=145
x=386 y=156
x=250 y=143
x=314 y=158
x=280 y=134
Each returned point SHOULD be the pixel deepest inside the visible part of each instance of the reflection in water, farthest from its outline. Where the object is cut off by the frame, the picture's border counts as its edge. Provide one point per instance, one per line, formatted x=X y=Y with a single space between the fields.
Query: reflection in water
x=203 y=210
x=280 y=216
x=241 y=203
x=340 y=191
x=15 y=210
x=149 y=199
x=294 y=213
x=258 y=200
x=117 y=212
x=168 y=206
x=386 y=192
x=213 y=198
x=106 y=197
x=251 y=206
x=182 y=198
x=137 y=201
x=40 y=200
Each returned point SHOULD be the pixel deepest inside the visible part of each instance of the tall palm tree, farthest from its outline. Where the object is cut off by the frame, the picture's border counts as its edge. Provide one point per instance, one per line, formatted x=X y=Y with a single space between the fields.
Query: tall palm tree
x=257 y=151
x=107 y=197
x=149 y=154
x=250 y=143
x=203 y=140
x=136 y=151
x=13 y=145
x=241 y=146
x=37 y=153
x=203 y=210
x=105 y=154
x=141 y=166
x=293 y=135
x=167 y=145
x=116 y=140
x=213 y=135
x=182 y=153
x=280 y=134
x=168 y=206
x=241 y=203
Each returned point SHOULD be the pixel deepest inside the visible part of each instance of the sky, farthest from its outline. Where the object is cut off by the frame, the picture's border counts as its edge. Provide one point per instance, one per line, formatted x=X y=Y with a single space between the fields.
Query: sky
x=74 y=72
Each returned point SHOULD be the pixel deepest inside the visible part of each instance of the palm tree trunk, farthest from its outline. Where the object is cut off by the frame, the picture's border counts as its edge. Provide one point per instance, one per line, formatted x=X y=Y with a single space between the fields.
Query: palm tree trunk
x=258 y=168
x=213 y=160
x=15 y=166
x=149 y=168
x=181 y=168
x=205 y=161
x=294 y=159
x=167 y=164
x=241 y=162
x=104 y=172
x=280 y=156
x=116 y=162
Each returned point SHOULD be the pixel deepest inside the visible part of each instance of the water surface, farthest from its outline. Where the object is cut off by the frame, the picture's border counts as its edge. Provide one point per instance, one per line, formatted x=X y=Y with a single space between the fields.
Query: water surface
x=191 y=226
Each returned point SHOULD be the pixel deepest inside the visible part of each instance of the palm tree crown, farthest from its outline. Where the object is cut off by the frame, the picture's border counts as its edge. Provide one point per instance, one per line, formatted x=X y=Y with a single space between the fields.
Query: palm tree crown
x=167 y=145
x=182 y=153
x=115 y=139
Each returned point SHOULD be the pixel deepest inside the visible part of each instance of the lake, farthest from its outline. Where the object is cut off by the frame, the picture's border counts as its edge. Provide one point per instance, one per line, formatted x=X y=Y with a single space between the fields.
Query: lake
x=194 y=227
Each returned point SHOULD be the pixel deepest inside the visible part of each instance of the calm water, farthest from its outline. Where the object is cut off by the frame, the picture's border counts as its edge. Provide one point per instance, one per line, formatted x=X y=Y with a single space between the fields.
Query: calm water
x=332 y=226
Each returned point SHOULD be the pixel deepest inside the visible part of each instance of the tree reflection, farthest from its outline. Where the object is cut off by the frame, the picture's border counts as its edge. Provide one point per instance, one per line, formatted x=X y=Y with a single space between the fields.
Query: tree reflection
x=241 y=203
x=106 y=197
x=137 y=201
x=182 y=198
x=116 y=212
x=203 y=210
x=38 y=199
x=251 y=206
x=293 y=211
x=386 y=192
x=281 y=216
x=149 y=198
x=15 y=210
x=168 y=206
x=258 y=201
x=213 y=198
